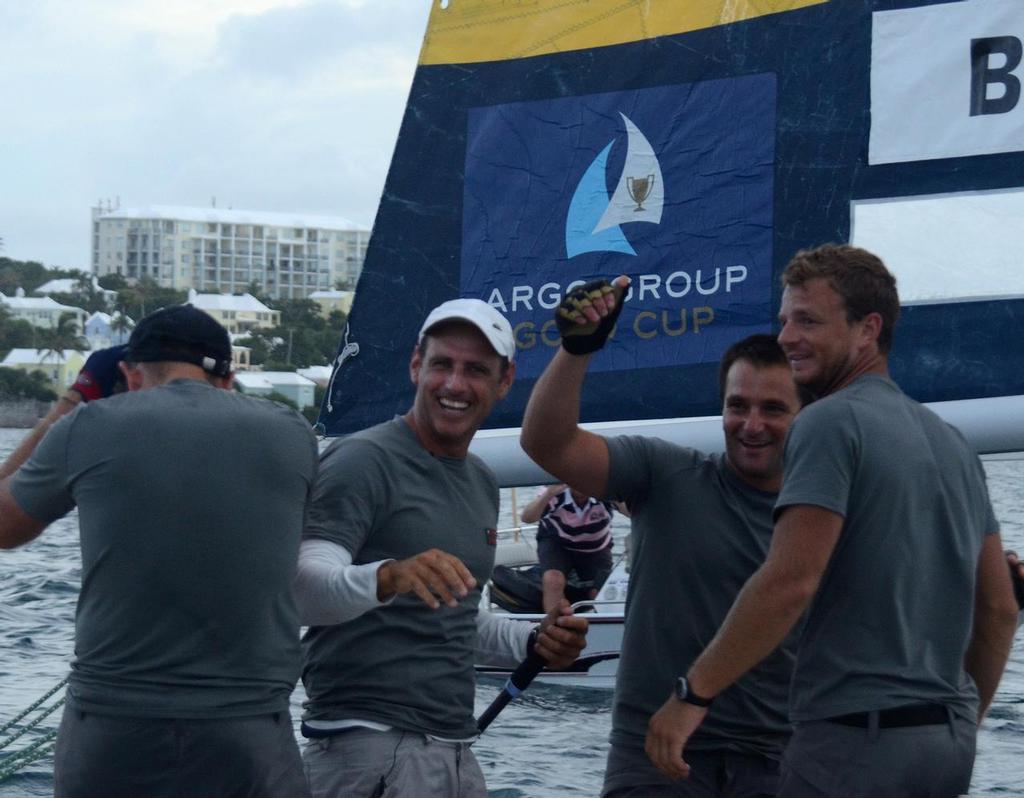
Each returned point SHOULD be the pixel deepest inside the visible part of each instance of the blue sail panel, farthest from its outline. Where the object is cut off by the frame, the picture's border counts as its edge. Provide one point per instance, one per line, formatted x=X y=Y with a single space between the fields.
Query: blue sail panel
x=761 y=129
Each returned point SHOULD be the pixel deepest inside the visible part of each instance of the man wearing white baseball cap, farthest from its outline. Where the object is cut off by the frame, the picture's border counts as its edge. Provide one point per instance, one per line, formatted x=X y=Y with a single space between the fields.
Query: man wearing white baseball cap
x=400 y=538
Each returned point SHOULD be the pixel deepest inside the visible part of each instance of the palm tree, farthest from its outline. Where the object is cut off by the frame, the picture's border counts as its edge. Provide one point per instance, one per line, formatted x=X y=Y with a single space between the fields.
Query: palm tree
x=120 y=324
x=64 y=335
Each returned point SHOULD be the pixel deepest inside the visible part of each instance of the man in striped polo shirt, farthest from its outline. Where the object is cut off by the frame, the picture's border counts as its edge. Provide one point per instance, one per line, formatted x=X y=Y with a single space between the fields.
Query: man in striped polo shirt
x=574 y=532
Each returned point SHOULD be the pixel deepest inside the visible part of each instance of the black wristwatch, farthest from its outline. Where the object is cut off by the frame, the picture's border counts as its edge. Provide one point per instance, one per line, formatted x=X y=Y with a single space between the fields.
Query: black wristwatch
x=684 y=693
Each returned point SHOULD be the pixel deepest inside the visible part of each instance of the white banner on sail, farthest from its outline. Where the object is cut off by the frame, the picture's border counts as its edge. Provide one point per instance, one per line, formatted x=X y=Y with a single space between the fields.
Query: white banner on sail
x=946 y=81
x=949 y=247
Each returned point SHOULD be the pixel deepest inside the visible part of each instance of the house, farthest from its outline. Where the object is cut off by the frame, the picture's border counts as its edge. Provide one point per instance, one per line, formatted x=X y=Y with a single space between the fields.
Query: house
x=105 y=329
x=69 y=285
x=40 y=311
x=330 y=301
x=287 y=383
x=238 y=314
x=59 y=368
x=321 y=375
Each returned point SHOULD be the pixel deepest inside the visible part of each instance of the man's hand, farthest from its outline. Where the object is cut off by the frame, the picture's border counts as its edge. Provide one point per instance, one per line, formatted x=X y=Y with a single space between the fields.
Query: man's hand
x=586 y=316
x=430 y=575
x=562 y=636
x=1016 y=576
x=667 y=732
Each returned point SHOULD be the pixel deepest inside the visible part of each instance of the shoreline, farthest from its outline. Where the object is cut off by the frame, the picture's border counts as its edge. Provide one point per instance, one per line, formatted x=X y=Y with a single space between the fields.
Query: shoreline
x=22 y=413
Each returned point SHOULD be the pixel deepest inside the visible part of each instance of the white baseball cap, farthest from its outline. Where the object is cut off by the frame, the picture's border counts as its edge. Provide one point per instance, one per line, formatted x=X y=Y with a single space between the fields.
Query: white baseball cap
x=489 y=321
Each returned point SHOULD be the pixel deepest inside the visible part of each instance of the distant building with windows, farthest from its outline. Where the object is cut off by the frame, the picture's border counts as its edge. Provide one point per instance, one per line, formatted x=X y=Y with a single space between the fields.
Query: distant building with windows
x=287 y=383
x=69 y=285
x=238 y=314
x=330 y=301
x=40 y=311
x=106 y=329
x=59 y=368
x=225 y=251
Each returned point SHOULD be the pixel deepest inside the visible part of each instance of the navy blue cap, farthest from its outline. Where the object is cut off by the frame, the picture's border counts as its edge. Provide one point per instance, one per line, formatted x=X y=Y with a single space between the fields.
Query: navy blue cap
x=181 y=334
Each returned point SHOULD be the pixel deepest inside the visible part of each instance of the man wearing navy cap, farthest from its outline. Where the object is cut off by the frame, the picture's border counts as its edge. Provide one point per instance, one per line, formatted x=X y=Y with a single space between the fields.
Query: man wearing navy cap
x=400 y=540
x=191 y=500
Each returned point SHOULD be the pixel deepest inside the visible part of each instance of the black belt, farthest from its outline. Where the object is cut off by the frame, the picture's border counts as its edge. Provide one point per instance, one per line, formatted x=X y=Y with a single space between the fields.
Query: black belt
x=313 y=733
x=909 y=715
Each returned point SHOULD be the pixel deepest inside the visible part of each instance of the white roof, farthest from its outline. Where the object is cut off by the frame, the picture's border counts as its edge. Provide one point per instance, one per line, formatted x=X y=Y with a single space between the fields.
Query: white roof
x=316 y=373
x=107 y=318
x=231 y=216
x=67 y=285
x=245 y=302
x=270 y=379
x=62 y=285
x=36 y=303
x=35 y=357
x=330 y=294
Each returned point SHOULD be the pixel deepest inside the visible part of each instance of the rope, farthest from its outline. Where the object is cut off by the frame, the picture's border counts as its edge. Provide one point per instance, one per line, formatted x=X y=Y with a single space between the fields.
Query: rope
x=42 y=747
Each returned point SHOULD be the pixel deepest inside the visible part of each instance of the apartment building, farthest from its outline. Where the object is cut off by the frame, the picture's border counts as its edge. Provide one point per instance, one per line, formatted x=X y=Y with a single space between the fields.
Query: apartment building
x=237 y=314
x=225 y=251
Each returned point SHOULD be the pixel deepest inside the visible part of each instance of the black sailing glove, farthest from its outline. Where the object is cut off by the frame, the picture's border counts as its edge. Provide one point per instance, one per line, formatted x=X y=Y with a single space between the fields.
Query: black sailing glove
x=581 y=339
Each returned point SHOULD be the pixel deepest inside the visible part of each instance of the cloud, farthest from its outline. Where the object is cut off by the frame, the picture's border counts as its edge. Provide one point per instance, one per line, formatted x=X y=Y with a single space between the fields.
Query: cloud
x=268 y=104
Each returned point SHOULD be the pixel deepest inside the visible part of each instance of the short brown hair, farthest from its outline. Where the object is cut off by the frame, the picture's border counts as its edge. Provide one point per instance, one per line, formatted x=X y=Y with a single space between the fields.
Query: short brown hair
x=760 y=350
x=858 y=276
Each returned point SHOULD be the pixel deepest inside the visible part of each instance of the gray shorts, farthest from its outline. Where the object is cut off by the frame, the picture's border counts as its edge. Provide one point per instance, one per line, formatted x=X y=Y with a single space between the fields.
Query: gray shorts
x=590 y=566
x=713 y=774
x=363 y=762
x=837 y=761
x=255 y=757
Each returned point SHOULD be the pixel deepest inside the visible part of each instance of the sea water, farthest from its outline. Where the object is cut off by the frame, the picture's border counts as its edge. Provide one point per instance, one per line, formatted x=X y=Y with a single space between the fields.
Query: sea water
x=550 y=742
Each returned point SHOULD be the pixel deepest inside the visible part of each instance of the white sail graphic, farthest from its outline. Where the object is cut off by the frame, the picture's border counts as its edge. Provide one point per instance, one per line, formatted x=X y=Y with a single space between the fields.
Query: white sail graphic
x=640 y=194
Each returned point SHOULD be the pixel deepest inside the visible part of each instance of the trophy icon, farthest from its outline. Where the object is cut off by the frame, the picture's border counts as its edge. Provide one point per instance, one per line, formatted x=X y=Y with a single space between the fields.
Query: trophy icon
x=640 y=189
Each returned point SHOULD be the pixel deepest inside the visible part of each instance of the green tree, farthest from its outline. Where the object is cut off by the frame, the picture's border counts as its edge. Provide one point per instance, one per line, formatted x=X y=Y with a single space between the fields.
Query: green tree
x=14 y=332
x=147 y=295
x=15 y=384
x=120 y=323
x=113 y=282
x=64 y=335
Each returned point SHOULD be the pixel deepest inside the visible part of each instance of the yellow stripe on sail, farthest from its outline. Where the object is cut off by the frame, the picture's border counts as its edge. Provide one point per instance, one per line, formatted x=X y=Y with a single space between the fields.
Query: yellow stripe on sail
x=468 y=31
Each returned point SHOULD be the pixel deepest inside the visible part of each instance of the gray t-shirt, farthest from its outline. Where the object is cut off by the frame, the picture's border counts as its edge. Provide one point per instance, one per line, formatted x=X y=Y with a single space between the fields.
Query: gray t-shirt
x=191 y=502
x=892 y=618
x=699 y=532
x=380 y=494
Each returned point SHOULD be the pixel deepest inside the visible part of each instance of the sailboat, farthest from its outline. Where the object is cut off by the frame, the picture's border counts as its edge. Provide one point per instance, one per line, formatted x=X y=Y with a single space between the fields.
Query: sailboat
x=696 y=147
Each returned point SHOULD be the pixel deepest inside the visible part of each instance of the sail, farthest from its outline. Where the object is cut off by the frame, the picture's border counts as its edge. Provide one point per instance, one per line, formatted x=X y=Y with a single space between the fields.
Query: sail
x=696 y=147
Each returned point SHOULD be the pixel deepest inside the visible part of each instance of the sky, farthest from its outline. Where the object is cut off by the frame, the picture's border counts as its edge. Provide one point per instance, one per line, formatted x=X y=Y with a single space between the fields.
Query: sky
x=268 y=105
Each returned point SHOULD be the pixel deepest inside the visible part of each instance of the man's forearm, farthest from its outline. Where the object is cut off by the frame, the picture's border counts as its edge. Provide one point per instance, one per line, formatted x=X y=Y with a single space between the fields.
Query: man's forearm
x=987 y=655
x=995 y=622
x=553 y=412
x=68 y=402
x=328 y=588
x=551 y=433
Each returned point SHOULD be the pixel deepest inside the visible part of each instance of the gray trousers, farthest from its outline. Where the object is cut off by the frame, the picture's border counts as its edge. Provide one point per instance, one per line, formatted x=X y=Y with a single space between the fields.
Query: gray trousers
x=713 y=774
x=115 y=757
x=828 y=759
x=365 y=763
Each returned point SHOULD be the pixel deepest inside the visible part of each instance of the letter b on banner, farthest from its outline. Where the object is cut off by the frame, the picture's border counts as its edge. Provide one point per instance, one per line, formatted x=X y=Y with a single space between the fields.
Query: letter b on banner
x=983 y=74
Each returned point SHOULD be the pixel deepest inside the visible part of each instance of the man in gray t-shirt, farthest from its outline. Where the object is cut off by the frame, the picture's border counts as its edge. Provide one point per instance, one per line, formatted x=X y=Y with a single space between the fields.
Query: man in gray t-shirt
x=701 y=526
x=401 y=537
x=191 y=500
x=885 y=535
